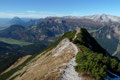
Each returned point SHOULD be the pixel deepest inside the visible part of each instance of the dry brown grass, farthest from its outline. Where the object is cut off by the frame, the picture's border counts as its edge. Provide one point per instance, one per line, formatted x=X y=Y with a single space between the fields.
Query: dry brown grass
x=47 y=66
x=86 y=76
x=17 y=63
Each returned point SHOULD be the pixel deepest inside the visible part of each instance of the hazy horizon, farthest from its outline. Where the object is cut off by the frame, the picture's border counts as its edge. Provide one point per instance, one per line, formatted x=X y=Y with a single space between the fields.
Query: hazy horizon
x=42 y=9
x=54 y=16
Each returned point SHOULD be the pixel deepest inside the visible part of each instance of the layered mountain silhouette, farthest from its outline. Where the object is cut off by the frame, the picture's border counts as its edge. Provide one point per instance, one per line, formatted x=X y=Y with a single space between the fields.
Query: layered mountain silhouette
x=42 y=29
x=43 y=32
x=50 y=28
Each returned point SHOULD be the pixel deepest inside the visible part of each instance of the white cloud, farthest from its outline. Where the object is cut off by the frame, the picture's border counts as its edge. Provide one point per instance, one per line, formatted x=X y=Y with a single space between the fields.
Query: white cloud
x=31 y=11
x=31 y=14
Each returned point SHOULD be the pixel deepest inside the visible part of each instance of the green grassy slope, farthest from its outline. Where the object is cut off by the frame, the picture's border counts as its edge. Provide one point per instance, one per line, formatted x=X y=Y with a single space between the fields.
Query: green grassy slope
x=92 y=59
x=13 y=41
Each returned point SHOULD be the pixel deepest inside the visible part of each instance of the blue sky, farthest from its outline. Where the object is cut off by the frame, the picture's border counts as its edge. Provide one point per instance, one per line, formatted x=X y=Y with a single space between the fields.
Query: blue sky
x=44 y=8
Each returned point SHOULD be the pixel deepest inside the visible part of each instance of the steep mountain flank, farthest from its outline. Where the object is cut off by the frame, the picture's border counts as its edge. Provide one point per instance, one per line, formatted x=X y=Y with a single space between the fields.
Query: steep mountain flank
x=17 y=32
x=9 y=53
x=108 y=37
x=74 y=56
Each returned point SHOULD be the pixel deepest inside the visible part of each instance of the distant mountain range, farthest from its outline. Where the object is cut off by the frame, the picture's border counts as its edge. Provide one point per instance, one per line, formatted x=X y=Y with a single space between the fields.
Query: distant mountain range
x=16 y=20
x=42 y=29
x=103 y=27
x=43 y=32
x=98 y=18
x=6 y=22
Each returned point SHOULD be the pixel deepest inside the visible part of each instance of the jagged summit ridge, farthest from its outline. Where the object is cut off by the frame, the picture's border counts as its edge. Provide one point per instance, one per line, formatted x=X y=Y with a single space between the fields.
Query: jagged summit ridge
x=98 y=17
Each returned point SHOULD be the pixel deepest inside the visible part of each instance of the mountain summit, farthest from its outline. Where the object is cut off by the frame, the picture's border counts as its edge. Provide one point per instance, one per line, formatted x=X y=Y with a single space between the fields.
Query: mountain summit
x=98 y=18
x=74 y=56
x=104 y=18
x=16 y=20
